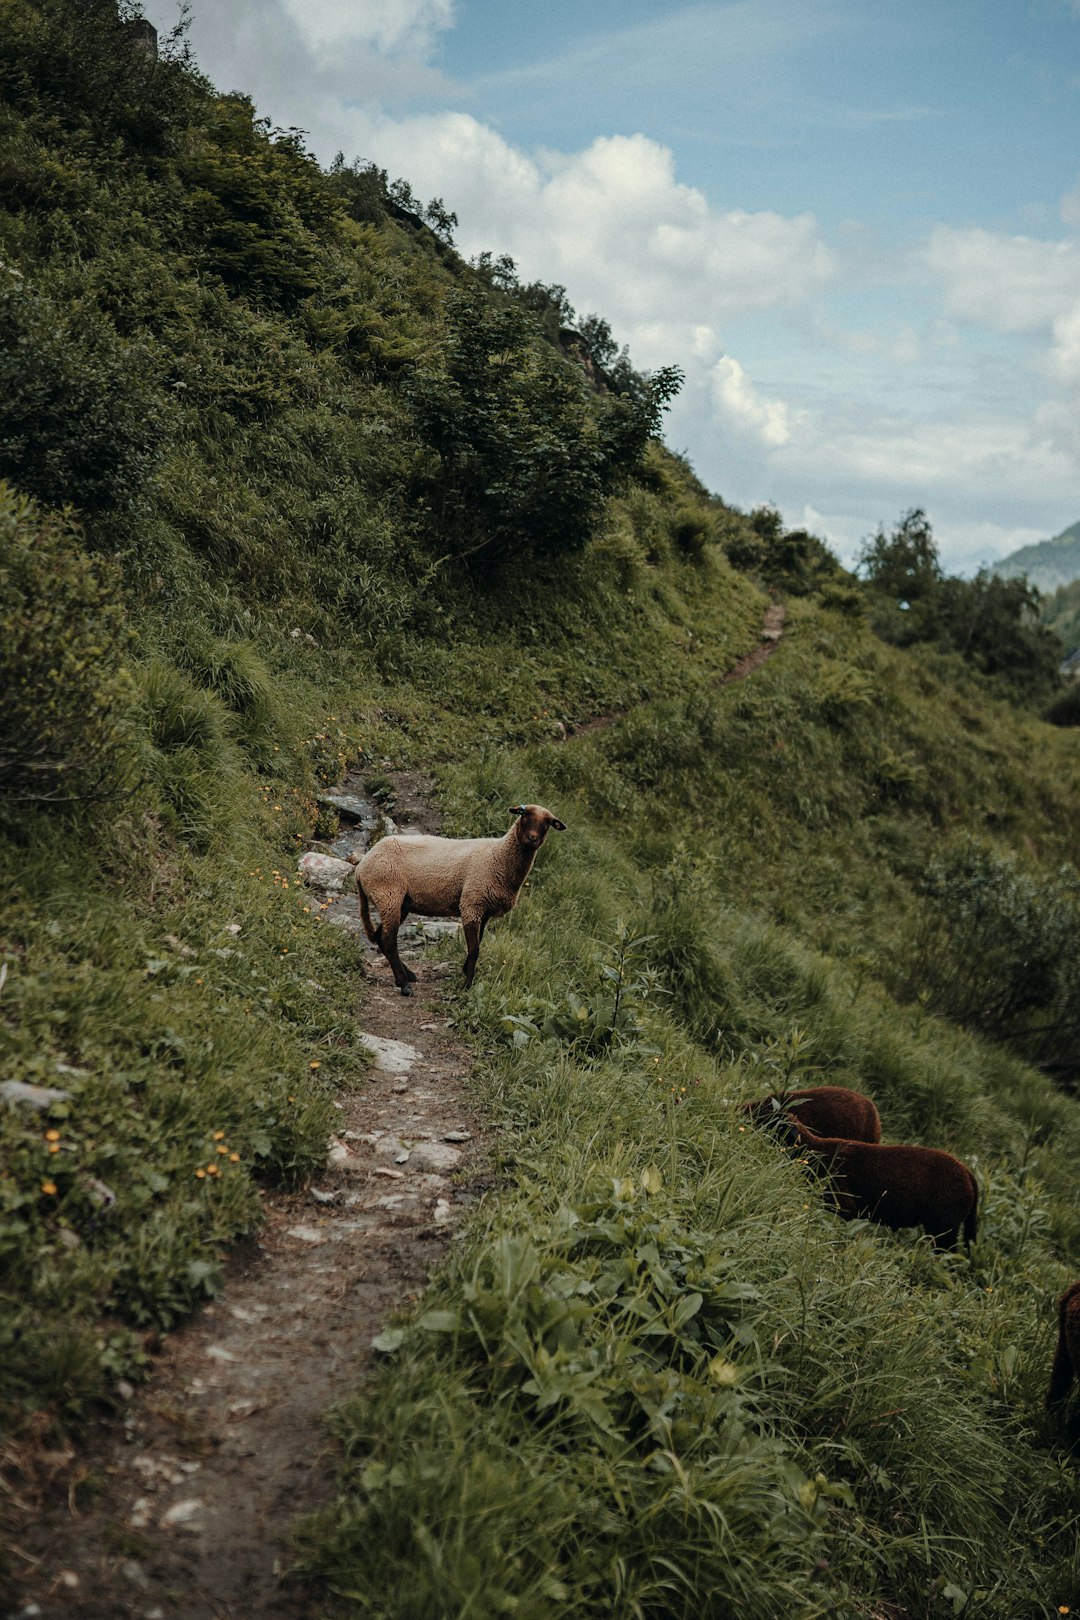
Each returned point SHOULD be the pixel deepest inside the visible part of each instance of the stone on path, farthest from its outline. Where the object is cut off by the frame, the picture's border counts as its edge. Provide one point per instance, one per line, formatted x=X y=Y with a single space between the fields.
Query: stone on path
x=391 y=1057
x=324 y=871
x=39 y=1097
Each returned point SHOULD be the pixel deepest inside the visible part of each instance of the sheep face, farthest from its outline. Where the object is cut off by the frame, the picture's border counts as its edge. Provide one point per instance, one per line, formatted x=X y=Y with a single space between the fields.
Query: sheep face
x=534 y=824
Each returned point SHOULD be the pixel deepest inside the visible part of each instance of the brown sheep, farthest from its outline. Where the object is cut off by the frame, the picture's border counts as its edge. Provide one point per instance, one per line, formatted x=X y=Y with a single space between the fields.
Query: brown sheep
x=1067 y=1358
x=471 y=878
x=895 y=1186
x=828 y=1110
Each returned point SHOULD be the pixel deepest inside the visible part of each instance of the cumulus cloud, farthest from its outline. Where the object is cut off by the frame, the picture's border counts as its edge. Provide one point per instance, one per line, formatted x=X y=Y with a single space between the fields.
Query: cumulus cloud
x=386 y=25
x=1009 y=283
x=1016 y=284
x=738 y=404
x=615 y=226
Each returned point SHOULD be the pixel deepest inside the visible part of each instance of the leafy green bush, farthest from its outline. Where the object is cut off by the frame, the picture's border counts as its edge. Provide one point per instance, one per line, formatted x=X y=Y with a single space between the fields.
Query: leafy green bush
x=63 y=635
x=998 y=947
x=189 y=755
x=525 y=458
x=258 y=204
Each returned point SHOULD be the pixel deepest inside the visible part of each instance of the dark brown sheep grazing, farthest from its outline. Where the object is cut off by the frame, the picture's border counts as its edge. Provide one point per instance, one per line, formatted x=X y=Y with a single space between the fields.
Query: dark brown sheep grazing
x=896 y=1186
x=1067 y=1358
x=828 y=1110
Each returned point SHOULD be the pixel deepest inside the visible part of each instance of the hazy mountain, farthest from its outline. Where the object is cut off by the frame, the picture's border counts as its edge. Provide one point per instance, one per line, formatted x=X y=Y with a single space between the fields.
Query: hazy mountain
x=1048 y=563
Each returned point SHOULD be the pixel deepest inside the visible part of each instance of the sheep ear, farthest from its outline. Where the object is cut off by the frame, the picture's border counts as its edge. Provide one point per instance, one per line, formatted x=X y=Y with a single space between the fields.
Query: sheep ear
x=516 y=810
x=559 y=826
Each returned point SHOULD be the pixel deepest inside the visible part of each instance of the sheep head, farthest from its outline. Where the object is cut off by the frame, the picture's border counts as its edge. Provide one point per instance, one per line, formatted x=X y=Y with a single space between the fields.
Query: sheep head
x=534 y=824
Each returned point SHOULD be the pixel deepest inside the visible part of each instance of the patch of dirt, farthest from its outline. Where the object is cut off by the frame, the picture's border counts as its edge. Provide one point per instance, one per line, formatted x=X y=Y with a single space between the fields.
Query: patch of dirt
x=224 y=1447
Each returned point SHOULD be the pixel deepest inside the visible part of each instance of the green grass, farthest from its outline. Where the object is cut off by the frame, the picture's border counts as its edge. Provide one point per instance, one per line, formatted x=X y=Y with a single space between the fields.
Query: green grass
x=656 y=1378
x=657 y=1374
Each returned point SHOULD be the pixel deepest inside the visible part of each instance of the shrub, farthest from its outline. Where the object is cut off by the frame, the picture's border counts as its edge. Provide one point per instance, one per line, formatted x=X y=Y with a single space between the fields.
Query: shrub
x=82 y=420
x=63 y=634
x=998 y=946
x=525 y=456
x=1065 y=710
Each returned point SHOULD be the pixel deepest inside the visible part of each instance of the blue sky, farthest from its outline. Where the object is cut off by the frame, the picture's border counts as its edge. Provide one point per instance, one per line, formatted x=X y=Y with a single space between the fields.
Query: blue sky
x=855 y=224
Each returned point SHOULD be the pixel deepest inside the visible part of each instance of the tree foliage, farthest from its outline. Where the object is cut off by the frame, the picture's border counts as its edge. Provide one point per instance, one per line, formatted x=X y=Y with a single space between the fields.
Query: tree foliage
x=525 y=456
x=998 y=947
x=993 y=623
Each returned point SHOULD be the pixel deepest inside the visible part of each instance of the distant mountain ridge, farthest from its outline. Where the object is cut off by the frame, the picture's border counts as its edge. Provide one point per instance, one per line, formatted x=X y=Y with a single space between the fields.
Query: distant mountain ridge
x=1048 y=563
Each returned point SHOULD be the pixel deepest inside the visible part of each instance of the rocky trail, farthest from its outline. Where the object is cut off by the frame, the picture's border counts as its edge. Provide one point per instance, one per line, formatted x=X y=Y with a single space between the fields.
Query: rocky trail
x=224 y=1449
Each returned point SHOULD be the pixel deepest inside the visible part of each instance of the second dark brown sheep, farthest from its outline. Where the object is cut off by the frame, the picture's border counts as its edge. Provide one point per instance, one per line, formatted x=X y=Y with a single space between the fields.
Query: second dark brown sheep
x=828 y=1110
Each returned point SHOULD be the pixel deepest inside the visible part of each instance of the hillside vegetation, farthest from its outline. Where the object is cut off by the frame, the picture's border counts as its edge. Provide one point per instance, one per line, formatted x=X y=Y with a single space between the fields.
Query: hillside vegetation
x=286 y=484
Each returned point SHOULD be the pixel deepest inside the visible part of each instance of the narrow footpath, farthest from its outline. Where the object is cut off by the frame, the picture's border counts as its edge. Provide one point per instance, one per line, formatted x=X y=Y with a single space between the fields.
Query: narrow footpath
x=224 y=1449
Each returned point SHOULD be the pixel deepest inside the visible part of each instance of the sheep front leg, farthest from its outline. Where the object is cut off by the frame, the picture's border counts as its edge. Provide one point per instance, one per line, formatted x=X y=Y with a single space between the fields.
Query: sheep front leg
x=474 y=933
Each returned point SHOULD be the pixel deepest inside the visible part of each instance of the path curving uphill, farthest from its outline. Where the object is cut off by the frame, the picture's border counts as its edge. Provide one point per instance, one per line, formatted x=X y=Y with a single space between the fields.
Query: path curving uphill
x=224 y=1448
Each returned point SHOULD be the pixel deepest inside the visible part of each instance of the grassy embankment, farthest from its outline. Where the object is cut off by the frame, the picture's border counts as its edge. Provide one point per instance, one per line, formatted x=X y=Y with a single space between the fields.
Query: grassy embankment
x=657 y=1377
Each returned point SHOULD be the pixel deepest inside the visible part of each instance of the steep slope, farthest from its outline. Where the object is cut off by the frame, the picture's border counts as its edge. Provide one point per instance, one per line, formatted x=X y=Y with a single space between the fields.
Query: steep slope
x=339 y=498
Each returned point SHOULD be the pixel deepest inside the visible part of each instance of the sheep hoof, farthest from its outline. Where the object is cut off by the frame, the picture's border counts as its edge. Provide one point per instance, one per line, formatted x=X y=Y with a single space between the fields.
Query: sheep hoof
x=406 y=989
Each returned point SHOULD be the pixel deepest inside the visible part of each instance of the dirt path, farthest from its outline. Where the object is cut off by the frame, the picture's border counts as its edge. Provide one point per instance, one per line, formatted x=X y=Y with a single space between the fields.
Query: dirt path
x=772 y=629
x=224 y=1448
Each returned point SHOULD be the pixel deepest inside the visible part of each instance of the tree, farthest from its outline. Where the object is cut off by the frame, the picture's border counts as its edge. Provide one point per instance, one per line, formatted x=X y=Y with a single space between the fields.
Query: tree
x=526 y=452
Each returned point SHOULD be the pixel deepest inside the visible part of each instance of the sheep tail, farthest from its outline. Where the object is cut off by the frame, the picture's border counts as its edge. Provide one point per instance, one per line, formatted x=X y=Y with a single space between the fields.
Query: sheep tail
x=365 y=914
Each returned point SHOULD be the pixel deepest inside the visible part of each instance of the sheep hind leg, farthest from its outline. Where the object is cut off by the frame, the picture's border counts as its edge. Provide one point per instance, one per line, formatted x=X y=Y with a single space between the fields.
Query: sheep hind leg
x=386 y=939
x=408 y=972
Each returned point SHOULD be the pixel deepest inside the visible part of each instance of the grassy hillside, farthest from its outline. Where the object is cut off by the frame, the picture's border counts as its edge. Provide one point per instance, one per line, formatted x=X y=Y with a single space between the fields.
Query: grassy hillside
x=287 y=484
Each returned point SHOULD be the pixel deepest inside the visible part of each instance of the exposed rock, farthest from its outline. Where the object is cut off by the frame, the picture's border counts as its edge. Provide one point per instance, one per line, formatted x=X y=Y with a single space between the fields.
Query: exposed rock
x=324 y=871
x=391 y=1057
x=39 y=1097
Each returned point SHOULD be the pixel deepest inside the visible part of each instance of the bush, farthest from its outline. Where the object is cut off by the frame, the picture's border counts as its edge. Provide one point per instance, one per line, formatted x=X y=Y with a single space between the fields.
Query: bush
x=63 y=635
x=998 y=947
x=82 y=420
x=525 y=456
x=1065 y=710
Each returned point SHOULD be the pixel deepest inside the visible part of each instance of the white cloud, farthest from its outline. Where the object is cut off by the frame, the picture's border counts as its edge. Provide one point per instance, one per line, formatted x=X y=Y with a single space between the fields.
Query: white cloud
x=1009 y=283
x=738 y=404
x=614 y=225
x=1070 y=207
x=386 y=25
x=1064 y=362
